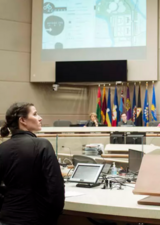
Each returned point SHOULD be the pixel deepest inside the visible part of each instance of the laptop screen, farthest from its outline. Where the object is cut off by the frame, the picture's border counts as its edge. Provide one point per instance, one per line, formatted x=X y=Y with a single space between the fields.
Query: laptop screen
x=135 y=159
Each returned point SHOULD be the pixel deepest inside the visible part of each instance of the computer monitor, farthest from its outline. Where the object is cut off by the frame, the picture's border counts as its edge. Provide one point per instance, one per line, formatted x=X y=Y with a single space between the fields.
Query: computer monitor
x=86 y=175
x=136 y=138
x=117 y=138
x=135 y=159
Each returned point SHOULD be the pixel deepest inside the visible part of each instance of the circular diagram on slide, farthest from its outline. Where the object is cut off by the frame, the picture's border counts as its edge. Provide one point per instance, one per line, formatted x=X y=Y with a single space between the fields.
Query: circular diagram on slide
x=54 y=25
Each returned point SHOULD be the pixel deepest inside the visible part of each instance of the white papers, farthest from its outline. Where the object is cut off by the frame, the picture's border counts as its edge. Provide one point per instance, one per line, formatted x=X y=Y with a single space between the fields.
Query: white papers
x=72 y=194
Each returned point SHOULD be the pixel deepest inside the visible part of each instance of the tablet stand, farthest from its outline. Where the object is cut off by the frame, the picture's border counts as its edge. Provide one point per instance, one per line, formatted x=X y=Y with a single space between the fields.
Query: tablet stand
x=87 y=185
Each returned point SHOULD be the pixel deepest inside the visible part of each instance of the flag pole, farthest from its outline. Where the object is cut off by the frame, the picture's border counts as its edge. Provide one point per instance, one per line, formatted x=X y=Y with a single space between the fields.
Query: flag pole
x=122 y=88
x=146 y=85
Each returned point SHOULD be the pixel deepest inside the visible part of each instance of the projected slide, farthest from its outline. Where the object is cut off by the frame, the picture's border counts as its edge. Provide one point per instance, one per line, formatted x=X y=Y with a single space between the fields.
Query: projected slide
x=85 y=24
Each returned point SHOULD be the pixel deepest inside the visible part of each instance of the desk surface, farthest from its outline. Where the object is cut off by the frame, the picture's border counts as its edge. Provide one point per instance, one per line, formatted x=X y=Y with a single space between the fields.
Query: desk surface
x=125 y=147
x=99 y=129
x=110 y=202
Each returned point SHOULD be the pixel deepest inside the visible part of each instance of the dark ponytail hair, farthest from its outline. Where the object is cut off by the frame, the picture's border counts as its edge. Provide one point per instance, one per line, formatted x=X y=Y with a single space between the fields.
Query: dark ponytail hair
x=4 y=130
x=13 y=114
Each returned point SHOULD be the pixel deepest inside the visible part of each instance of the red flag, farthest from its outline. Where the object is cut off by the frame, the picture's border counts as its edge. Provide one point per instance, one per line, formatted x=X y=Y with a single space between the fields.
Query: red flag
x=98 y=111
x=104 y=106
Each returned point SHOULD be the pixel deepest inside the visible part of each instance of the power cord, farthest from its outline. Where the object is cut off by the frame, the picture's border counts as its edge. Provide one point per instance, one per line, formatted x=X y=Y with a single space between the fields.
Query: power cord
x=67 y=176
x=109 y=181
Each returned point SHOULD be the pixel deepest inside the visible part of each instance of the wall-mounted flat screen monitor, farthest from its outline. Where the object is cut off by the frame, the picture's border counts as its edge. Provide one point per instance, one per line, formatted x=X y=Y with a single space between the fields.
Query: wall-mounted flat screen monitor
x=91 y=71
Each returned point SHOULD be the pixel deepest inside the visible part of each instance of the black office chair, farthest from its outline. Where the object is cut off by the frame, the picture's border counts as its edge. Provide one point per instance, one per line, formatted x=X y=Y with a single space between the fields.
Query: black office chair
x=62 y=123
x=153 y=123
x=82 y=159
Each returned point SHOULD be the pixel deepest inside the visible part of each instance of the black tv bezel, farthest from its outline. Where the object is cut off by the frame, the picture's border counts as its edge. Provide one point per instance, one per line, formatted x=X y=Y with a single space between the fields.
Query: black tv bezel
x=91 y=67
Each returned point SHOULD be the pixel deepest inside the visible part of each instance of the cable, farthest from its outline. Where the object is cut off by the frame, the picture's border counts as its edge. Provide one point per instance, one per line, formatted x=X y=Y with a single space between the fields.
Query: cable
x=123 y=184
x=117 y=181
x=132 y=172
x=67 y=176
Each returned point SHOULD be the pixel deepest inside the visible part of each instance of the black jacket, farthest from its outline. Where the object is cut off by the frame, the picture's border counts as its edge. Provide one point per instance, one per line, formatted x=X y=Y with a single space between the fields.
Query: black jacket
x=90 y=123
x=34 y=184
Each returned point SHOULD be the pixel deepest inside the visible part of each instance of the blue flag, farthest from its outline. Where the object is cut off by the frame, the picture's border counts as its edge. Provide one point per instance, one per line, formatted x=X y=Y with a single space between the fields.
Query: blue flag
x=109 y=111
x=134 y=107
x=153 y=106
x=121 y=106
x=146 y=109
x=115 y=112
x=128 y=105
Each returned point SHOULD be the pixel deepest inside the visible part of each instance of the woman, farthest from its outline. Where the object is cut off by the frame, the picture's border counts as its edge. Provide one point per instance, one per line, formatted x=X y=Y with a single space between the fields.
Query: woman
x=30 y=171
x=93 y=120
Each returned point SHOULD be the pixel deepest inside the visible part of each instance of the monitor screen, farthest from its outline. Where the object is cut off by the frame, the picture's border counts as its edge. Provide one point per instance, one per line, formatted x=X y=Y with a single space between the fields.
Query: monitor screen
x=117 y=138
x=135 y=159
x=86 y=173
x=91 y=71
x=136 y=138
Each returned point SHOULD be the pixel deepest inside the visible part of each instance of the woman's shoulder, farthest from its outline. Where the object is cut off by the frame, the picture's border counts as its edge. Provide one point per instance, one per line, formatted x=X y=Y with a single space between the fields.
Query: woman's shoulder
x=42 y=141
x=44 y=146
x=5 y=144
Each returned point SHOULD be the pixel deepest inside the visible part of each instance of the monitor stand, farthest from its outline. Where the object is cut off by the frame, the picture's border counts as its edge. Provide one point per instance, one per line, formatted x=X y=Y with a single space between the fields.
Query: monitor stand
x=150 y=200
x=86 y=185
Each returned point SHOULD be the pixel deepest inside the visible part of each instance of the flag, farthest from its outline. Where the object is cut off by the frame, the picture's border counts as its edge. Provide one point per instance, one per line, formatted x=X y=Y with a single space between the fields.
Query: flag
x=128 y=105
x=139 y=108
x=153 y=106
x=121 y=106
x=98 y=110
x=134 y=107
x=104 y=106
x=115 y=112
x=108 y=111
x=146 y=109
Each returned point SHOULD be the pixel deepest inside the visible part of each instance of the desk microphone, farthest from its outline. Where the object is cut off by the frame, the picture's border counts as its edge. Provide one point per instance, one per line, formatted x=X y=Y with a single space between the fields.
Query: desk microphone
x=63 y=164
x=105 y=186
x=110 y=184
